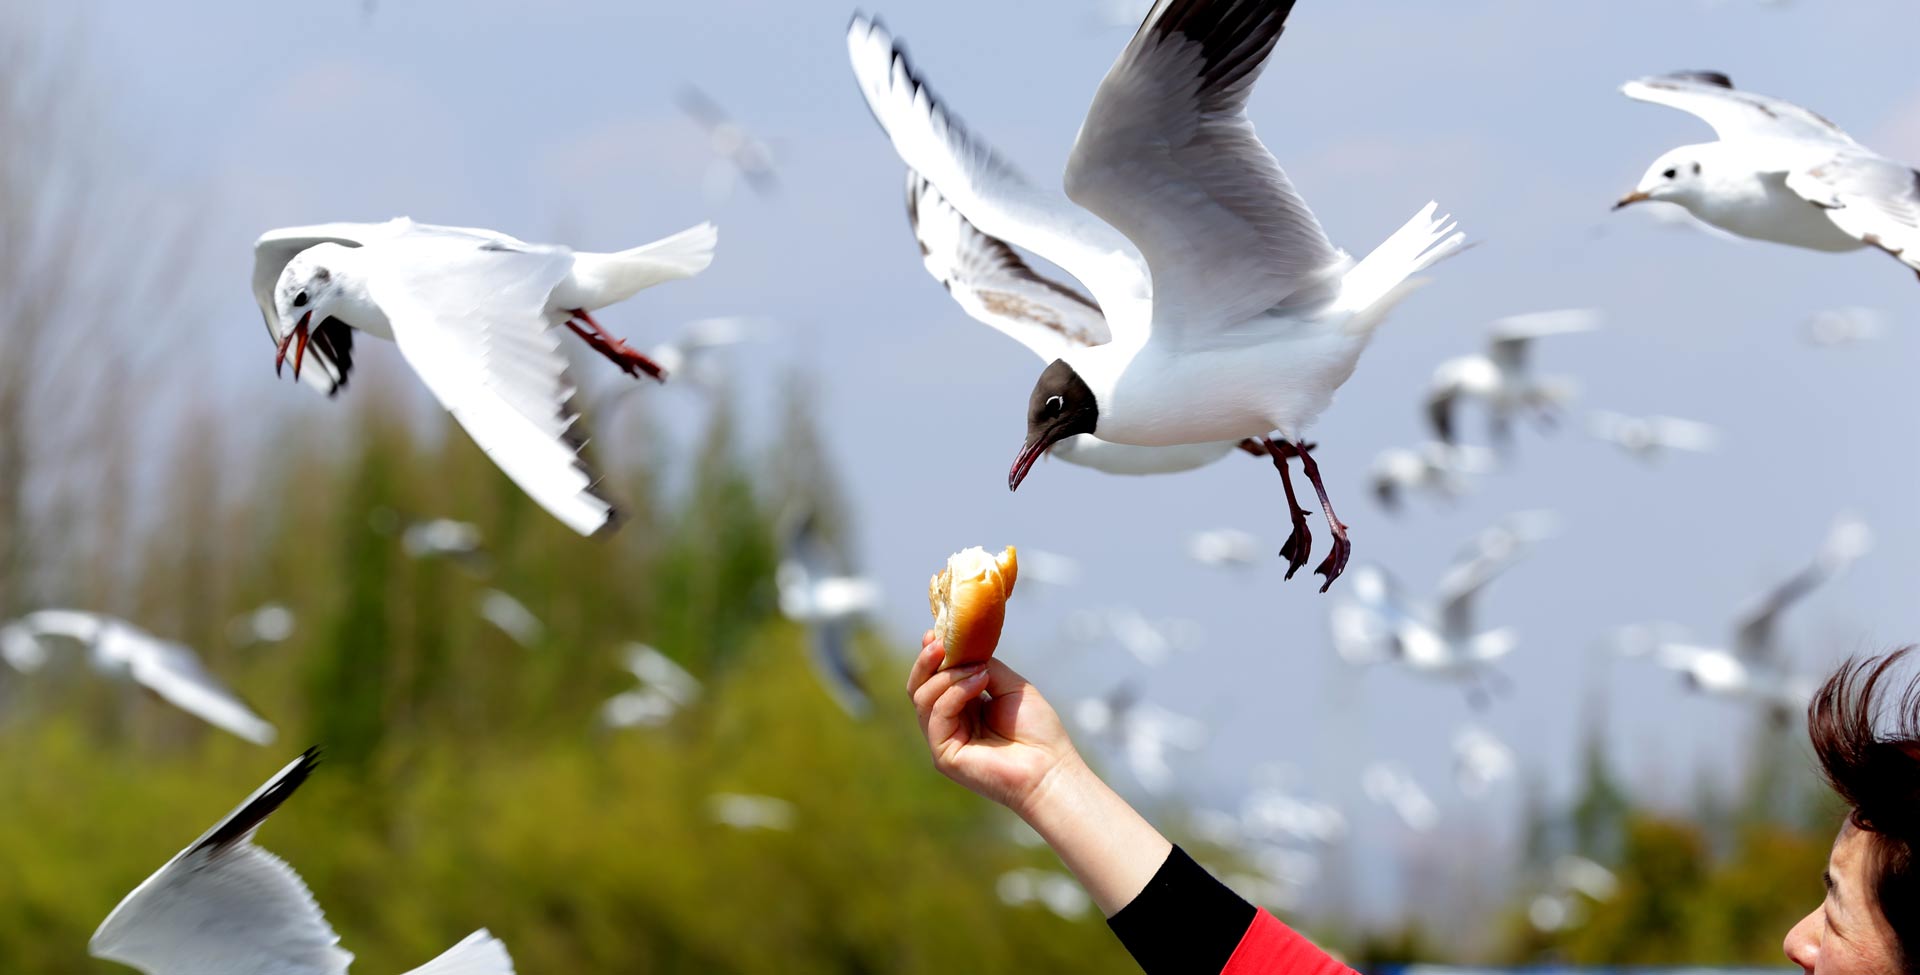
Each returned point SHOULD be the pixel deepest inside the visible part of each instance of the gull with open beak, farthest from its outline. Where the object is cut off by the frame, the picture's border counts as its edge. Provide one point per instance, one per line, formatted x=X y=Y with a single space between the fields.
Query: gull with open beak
x=475 y=313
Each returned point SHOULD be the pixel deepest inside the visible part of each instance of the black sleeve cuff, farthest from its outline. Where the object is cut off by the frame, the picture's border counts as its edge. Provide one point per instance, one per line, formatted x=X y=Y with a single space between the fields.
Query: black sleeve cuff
x=1185 y=922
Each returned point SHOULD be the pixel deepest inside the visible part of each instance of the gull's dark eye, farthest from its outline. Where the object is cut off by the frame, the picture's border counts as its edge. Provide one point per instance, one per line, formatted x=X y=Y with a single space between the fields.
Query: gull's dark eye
x=1671 y=173
x=300 y=300
x=1054 y=405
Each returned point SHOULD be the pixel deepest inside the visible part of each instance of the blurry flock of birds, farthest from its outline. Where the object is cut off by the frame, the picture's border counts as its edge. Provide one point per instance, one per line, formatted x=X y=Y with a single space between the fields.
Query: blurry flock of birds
x=1779 y=172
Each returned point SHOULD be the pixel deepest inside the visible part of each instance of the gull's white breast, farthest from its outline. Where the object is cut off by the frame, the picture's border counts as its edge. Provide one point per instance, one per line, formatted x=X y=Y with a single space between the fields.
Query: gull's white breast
x=1281 y=378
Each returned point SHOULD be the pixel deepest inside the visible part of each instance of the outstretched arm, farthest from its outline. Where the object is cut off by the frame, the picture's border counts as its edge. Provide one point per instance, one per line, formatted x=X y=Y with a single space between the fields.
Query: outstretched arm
x=1012 y=749
x=991 y=731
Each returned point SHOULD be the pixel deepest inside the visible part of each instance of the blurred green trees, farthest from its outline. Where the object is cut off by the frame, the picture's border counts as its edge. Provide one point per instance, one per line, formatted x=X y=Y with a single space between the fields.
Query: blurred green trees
x=466 y=781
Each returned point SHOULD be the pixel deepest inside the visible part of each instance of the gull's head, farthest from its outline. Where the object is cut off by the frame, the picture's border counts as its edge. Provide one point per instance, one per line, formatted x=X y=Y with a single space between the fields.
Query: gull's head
x=303 y=298
x=1062 y=406
x=1678 y=177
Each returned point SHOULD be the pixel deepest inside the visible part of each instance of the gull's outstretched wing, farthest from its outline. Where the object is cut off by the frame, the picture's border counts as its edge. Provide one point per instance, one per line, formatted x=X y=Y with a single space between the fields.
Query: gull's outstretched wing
x=1510 y=338
x=1168 y=156
x=1753 y=637
x=175 y=673
x=226 y=907
x=1871 y=198
x=832 y=658
x=1734 y=114
x=1492 y=552
x=332 y=345
x=992 y=284
x=470 y=318
x=983 y=187
x=479 y=953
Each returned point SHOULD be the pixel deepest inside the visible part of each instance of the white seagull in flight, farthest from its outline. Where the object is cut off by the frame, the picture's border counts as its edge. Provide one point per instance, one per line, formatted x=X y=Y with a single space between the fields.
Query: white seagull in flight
x=120 y=650
x=1779 y=173
x=993 y=284
x=224 y=906
x=473 y=312
x=1231 y=313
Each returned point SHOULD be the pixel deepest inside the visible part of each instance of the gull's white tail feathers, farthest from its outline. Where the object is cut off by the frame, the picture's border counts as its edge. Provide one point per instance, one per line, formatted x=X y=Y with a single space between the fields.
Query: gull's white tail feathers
x=604 y=279
x=479 y=954
x=1386 y=277
x=1493 y=644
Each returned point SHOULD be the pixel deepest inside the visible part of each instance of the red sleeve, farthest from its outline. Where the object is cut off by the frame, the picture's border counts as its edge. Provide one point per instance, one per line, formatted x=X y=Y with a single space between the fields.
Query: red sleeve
x=1271 y=948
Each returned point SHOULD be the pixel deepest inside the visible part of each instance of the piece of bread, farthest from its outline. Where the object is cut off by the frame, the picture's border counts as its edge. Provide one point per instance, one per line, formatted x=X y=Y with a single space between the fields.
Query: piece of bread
x=969 y=603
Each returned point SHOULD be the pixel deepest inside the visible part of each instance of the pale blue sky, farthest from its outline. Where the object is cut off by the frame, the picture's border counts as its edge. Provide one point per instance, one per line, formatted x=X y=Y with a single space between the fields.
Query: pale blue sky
x=556 y=121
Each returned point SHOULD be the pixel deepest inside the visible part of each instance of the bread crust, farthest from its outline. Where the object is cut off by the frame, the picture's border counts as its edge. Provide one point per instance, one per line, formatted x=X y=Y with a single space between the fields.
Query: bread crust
x=969 y=602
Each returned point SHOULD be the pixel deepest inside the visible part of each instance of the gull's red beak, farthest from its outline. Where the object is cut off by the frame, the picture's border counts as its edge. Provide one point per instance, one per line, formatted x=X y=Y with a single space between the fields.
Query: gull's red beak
x=300 y=350
x=1630 y=199
x=1029 y=453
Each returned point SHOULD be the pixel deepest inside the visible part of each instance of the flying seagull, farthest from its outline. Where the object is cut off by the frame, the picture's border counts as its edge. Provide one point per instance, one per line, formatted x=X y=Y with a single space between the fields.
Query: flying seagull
x=666 y=688
x=1439 y=639
x=1231 y=313
x=993 y=284
x=268 y=623
x=1500 y=377
x=224 y=906
x=1755 y=666
x=122 y=651
x=1779 y=173
x=1650 y=438
x=1436 y=467
x=736 y=152
x=474 y=313
x=817 y=589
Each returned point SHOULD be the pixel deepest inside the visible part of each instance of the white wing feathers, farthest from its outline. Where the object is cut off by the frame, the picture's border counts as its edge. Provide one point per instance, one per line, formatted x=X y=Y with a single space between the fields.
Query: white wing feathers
x=993 y=285
x=175 y=673
x=225 y=906
x=1869 y=197
x=479 y=953
x=983 y=187
x=1168 y=156
x=475 y=328
x=1735 y=115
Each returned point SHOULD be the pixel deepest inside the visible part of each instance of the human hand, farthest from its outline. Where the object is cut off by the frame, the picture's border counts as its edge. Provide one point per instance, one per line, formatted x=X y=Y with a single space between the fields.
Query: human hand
x=1007 y=747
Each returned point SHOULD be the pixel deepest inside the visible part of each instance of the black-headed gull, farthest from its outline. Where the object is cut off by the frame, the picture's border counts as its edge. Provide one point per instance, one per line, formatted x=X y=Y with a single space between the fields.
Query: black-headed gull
x=1844 y=326
x=268 y=623
x=1142 y=731
x=1223 y=547
x=1056 y=891
x=1439 y=640
x=1650 y=438
x=991 y=283
x=666 y=689
x=1231 y=313
x=1480 y=761
x=1391 y=785
x=1755 y=666
x=736 y=152
x=817 y=589
x=511 y=617
x=120 y=650
x=474 y=313
x=1501 y=378
x=1779 y=173
x=745 y=811
x=1435 y=467
x=224 y=906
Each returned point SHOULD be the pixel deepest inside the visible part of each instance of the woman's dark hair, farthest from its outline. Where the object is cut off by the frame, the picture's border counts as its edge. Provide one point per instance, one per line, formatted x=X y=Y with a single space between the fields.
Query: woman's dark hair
x=1865 y=726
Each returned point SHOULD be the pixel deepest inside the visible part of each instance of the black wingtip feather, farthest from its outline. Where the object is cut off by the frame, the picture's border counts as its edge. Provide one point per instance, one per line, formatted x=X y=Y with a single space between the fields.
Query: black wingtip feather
x=1235 y=36
x=1715 y=78
x=248 y=818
